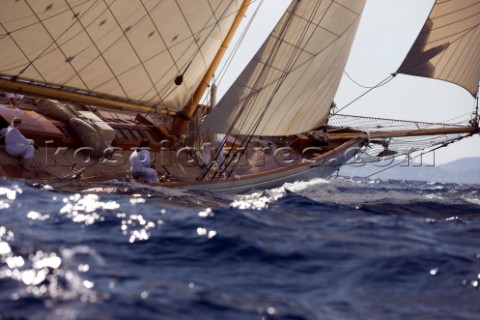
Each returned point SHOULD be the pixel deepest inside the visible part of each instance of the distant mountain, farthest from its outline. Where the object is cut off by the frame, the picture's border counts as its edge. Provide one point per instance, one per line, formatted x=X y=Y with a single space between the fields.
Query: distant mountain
x=465 y=170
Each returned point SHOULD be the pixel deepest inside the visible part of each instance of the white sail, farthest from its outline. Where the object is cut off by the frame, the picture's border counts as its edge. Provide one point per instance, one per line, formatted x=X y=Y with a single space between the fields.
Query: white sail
x=125 y=49
x=447 y=48
x=289 y=85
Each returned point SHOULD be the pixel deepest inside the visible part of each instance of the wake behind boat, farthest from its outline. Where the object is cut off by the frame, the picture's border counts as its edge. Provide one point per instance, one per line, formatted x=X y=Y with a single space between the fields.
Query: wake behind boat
x=98 y=80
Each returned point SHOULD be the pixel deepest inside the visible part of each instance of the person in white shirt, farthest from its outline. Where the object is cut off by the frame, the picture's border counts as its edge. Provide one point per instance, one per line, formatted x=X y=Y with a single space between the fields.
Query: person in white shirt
x=17 y=145
x=141 y=166
x=14 y=98
x=206 y=154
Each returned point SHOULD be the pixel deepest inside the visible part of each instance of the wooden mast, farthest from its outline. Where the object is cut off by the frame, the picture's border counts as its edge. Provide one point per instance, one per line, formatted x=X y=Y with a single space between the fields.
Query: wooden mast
x=180 y=122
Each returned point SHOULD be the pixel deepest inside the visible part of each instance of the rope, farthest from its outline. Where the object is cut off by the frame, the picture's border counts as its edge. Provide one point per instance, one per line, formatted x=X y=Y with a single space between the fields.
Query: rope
x=357 y=83
x=230 y=58
x=381 y=83
x=250 y=99
x=419 y=155
x=55 y=45
x=397 y=145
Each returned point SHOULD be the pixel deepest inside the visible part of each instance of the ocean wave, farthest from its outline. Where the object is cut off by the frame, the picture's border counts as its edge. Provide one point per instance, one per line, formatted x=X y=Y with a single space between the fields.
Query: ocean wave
x=309 y=250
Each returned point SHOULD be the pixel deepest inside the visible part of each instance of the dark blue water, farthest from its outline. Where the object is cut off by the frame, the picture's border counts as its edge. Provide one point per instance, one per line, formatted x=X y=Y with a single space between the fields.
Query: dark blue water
x=343 y=249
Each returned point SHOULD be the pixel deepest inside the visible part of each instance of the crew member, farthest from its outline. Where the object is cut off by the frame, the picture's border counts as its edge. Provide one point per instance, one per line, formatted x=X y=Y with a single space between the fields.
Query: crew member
x=141 y=166
x=17 y=145
x=13 y=98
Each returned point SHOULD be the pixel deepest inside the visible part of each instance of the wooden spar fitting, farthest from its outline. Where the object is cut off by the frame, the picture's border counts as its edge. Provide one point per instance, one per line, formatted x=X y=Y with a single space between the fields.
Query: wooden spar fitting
x=180 y=121
x=69 y=96
x=405 y=133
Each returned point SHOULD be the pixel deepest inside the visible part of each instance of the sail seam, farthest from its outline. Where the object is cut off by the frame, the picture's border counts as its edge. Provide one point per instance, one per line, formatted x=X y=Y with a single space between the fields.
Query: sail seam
x=252 y=97
x=44 y=52
x=131 y=45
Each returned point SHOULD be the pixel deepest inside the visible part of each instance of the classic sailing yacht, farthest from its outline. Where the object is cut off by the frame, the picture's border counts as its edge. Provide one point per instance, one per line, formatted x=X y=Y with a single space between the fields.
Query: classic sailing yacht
x=101 y=76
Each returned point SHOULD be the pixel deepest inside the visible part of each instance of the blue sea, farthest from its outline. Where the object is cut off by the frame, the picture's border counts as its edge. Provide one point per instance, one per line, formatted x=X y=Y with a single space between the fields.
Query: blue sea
x=338 y=249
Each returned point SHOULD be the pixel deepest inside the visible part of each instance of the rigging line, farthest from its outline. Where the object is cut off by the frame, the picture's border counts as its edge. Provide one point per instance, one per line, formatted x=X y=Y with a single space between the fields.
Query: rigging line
x=69 y=59
x=9 y=33
x=421 y=154
x=116 y=76
x=329 y=45
x=474 y=113
x=170 y=88
x=229 y=60
x=263 y=72
x=476 y=106
x=99 y=51
x=107 y=48
x=222 y=15
x=54 y=40
x=37 y=22
x=165 y=90
x=72 y=175
x=356 y=82
x=263 y=75
x=213 y=27
x=260 y=79
x=463 y=115
x=119 y=38
x=266 y=67
x=95 y=19
x=45 y=53
x=381 y=83
x=24 y=54
x=294 y=56
x=124 y=32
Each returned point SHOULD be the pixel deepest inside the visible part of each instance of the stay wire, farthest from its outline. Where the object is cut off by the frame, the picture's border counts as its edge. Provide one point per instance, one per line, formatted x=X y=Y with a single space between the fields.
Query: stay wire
x=289 y=65
x=381 y=83
x=356 y=82
x=251 y=97
x=231 y=127
x=229 y=60
x=168 y=90
x=294 y=56
x=419 y=155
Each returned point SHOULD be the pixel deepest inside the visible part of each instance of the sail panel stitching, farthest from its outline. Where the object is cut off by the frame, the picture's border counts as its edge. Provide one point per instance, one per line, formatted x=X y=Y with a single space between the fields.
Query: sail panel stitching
x=12 y=32
x=54 y=42
x=252 y=97
x=125 y=35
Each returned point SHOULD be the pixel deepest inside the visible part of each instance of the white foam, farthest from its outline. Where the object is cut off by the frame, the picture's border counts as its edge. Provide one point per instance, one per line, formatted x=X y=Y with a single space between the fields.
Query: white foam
x=475 y=201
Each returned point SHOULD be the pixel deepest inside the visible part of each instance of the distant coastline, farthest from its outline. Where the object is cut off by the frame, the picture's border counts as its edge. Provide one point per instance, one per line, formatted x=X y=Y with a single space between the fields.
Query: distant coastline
x=464 y=170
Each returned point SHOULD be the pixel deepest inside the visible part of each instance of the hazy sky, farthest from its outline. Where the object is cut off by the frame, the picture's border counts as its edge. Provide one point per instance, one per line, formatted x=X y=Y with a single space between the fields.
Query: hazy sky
x=386 y=31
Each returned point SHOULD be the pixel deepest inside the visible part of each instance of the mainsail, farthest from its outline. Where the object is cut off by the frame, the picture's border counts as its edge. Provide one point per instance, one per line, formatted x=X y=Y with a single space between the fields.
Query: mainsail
x=149 y=52
x=447 y=48
x=289 y=85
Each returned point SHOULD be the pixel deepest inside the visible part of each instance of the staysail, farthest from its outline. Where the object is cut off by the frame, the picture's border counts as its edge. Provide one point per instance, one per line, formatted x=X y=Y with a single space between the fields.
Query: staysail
x=150 y=52
x=447 y=48
x=289 y=85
